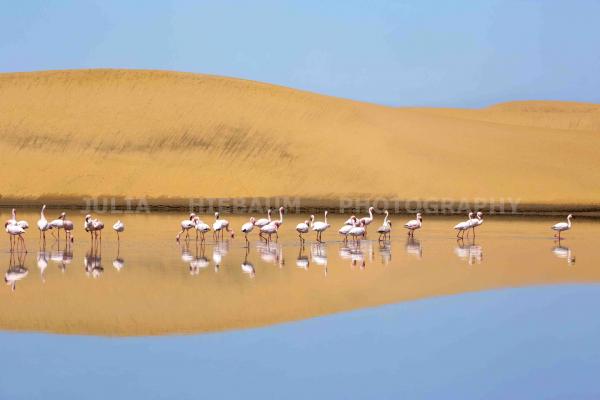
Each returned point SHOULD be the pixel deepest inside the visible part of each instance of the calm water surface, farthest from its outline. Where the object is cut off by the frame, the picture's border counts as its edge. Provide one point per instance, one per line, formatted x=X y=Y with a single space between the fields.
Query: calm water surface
x=510 y=314
x=150 y=284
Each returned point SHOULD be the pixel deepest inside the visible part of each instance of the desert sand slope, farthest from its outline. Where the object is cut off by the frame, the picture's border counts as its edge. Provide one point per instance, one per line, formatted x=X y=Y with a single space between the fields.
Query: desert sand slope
x=166 y=134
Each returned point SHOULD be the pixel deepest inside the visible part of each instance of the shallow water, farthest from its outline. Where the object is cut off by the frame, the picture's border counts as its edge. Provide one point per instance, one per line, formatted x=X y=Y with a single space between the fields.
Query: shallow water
x=149 y=284
x=527 y=343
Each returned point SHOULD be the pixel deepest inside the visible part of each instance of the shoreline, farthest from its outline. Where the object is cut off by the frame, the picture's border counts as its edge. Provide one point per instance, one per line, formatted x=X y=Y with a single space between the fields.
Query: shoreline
x=297 y=205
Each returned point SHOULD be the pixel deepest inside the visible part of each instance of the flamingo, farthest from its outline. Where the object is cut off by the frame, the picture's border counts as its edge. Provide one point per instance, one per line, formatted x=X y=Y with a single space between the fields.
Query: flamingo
x=345 y=229
x=475 y=222
x=43 y=224
x=303 y=227
x=269 y=229
x=23 y=224
x=278 y=222
x=247 y=228
x=350 y=220
x=463 y=226
x=358 y=230
x=201 y=227
x=119 y=227
x=186 y=225
x=320 y=227
x=367 y=220
x=562 y=226
x=16 y=232
x=93 y=226
x=221 y=224
x=414 y=224
x=58 y=223
x=263 y=221
x=385 y=229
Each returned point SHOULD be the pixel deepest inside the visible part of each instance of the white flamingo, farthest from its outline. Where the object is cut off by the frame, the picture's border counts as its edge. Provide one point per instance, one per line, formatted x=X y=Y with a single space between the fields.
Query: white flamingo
x=186 y=225
x=358 y=230
x=461 y=227
x=247 y=228
x=201 y=227
x=320 y=227
x=220 y=225
x=43 y=224
x=345 y=229
x=263 y=221
x=367 y=220
x=385 y=229
x=58 y=223
x=475 y=222
x=278 y=222
x=414 y=224
x=269 y=229
x=562 y=226
x=23 y=224
x=303 y=227
x=350 y=220
x=119 y=227
x=15 y=233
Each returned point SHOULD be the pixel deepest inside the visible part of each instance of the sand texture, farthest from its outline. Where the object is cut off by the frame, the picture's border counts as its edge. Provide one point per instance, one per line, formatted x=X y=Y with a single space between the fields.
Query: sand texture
x=68 y=134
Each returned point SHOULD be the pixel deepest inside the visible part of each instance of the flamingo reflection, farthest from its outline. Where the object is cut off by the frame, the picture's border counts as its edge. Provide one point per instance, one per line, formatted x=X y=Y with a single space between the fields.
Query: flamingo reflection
x=563 y=252
x=199 y=261
x=385 y=251
x=16 y=270
x=302 y=260
x=247 y=267
x=271 y=253
x=471 y=252
x=414 y=248
x=319 y=255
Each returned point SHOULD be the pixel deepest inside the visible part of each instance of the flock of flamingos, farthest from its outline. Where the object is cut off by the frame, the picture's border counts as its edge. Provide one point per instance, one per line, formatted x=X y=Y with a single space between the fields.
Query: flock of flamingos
x=353 y=227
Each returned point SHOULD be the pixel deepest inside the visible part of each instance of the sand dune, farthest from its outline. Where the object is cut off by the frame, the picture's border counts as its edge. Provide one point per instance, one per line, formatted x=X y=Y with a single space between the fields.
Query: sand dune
x=67 y=134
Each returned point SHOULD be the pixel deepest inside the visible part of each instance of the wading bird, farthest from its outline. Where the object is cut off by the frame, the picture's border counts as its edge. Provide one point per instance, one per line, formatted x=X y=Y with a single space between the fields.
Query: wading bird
x=119 y=227
x=345 y=229
x=201 y=227
x=367 y=220
x=320 y=227
x=414 y=224
x=303 y=227
x=247 y=228
x=43 y=224
x=461 y=227
x=385 y=229
x=220 y=225
x=263 y=221
x=562 y=226
x=186 y=225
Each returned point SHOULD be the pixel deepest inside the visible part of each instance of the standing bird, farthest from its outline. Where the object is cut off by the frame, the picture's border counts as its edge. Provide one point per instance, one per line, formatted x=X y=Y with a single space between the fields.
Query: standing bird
x=269 y=229
x=278 y=222
x=58 y=224
x=303 y=227
x=219 y=225
x=68 y=226
x=247 y=228
x=320 y=227
x=367 y=220
x=463 y=226
x=201 y=227
x=23 y=224
x=263 y=221
x=119 y=227
x=414 y=224
x=345 y=229
x=475 y=222
x=358 y=230
x=15 y=233
x=562 y=226
x=385 y=229
x=350 y=220
x=186 y=225
x=43 y=224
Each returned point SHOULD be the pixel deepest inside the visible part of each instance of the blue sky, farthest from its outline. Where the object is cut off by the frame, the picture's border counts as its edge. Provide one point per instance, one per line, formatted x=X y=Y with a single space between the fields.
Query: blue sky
x=435 y=53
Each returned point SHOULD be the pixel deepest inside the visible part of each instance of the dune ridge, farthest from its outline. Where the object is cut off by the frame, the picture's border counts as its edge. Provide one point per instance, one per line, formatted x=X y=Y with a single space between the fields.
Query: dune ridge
x=171 y=135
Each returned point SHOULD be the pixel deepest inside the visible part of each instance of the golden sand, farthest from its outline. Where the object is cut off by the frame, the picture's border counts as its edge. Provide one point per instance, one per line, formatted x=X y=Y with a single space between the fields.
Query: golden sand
x=68 y=134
